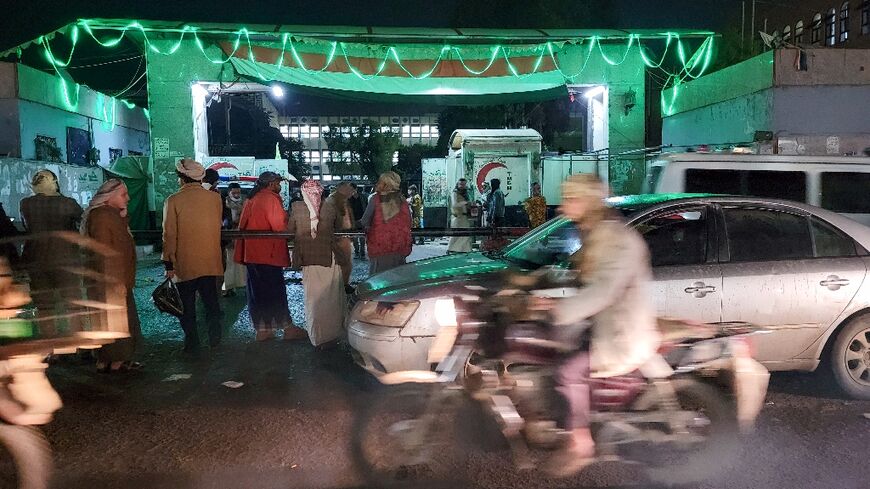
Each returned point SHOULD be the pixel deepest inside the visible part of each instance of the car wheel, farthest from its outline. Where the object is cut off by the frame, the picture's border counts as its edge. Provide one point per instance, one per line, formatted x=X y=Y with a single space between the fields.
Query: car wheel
x=850 y=358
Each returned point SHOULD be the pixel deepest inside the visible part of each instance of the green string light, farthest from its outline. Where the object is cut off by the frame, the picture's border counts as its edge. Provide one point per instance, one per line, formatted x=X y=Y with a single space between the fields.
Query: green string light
x=597 y=40
x=693 y=67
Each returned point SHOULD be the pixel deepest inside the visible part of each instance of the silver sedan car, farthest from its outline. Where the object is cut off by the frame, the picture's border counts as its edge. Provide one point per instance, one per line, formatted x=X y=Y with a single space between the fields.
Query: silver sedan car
x=795 y=269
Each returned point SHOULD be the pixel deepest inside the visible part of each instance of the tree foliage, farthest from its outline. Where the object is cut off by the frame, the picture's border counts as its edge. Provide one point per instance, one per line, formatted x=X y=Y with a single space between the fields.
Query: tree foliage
x=370 y=149
x=410 y=165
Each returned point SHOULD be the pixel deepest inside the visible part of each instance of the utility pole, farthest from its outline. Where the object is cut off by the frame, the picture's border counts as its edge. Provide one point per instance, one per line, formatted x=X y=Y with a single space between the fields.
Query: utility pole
x=742 y=28
x=752 y=32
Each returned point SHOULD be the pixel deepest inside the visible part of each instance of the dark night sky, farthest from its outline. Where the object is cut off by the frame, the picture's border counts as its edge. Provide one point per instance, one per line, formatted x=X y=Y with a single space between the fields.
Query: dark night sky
x=26 y=19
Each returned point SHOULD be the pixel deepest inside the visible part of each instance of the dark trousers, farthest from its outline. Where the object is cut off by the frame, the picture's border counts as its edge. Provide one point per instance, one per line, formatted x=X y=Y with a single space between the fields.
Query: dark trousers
x=207 y=289
x=359 y=246
x=267 y=297
x=572 y=382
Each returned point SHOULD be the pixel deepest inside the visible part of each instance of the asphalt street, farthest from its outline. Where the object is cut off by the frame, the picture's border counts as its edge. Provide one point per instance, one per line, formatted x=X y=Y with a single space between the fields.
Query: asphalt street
x=174 y=425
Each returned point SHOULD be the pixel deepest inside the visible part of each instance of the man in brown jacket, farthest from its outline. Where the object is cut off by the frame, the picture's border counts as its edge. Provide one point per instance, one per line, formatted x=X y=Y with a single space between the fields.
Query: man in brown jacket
x=192 y=250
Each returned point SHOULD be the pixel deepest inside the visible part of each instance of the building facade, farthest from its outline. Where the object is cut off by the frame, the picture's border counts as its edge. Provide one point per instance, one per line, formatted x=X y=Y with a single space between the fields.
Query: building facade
x=412 y=129
x=786 y=101
x=813 y=23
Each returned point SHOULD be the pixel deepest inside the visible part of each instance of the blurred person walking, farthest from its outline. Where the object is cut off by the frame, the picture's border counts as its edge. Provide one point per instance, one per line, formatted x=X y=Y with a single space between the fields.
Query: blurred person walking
x=342 y=246
x=192 y=250
x=387 y=222
x=357 y=202
x=265 y=260
x=52 y=288
x=460 y=209
x=536 y=207
x=105 y=221
x=235 y=275
x=314 y=228
x=415 y=202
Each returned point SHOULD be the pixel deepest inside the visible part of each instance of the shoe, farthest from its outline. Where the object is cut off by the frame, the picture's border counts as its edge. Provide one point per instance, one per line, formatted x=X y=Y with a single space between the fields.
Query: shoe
x=265 y=334
x=292 y=333
x=566 y=462
x=349 y=290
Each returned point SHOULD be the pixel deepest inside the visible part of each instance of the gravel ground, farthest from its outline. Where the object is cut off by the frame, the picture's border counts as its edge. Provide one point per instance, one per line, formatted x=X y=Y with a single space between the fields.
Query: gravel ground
x=289 y=425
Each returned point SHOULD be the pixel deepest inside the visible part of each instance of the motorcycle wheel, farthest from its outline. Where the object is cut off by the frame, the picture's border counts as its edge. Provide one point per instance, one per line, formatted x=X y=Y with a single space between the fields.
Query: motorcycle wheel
x=31 y=454
x=391 y=446
x=681 y=464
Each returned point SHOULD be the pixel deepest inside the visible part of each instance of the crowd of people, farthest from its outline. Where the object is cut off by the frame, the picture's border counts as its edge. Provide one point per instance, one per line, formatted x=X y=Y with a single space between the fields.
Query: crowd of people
x=203 y=265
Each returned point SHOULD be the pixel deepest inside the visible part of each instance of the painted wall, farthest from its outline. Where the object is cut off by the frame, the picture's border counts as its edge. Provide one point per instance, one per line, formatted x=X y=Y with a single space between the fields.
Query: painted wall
x=823 y=109
x=34 y=103
x=824 y=66
x=171 y=106
x=731 y=121
x=739 y=80
x=77 y=182
x=9 y=140
x=38 y=119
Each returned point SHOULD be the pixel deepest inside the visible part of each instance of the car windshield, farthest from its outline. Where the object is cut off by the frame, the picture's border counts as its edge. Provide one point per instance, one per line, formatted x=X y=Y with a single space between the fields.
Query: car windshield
x=554 y=241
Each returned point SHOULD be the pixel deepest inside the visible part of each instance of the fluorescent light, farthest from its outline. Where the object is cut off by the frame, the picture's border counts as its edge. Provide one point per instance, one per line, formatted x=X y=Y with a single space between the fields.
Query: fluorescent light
x=277 y=91
x=594 y=91
x=199 y=90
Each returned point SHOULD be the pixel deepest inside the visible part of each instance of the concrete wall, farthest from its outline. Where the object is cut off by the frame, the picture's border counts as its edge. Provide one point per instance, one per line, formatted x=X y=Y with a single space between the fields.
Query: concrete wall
x=37 y=119
x=626 y=131
x=825 y=66
x=731 y=121
x=9 y=137
x=77 y=182
x=171 y=106
x=739 y=80
x=33 y=103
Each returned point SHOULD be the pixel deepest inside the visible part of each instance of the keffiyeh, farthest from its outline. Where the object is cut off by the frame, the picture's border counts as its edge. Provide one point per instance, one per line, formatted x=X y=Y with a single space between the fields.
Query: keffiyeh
x=311 y=194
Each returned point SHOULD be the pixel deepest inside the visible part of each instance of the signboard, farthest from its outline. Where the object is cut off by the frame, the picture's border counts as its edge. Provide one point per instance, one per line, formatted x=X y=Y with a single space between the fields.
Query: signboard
x=512 y=171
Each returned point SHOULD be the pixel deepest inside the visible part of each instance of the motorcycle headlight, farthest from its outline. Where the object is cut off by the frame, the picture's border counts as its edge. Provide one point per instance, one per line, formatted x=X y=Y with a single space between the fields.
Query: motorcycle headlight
x=389 y=314
x=445 y=312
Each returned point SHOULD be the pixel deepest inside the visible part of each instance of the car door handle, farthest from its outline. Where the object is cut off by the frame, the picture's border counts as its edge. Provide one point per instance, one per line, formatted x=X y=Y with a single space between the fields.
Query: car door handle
x=834 y=282
x=700 y=289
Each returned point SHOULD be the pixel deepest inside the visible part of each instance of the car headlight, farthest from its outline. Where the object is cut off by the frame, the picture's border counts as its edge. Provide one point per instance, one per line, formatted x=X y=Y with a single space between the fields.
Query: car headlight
x=389 y=314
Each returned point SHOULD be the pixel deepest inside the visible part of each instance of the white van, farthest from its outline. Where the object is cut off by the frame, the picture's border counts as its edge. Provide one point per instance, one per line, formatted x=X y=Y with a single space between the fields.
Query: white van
x=837 y=183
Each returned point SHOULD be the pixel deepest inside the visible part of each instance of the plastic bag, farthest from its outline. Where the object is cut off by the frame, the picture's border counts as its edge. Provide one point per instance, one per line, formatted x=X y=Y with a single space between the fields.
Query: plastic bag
x=167 y=299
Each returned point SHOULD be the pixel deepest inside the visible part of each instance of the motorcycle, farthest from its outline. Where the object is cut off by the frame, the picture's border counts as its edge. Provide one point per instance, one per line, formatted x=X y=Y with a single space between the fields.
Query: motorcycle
x=678 y=416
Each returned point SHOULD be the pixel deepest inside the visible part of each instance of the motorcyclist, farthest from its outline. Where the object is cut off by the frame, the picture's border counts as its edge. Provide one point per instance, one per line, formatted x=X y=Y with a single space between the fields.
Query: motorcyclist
x=614 y=277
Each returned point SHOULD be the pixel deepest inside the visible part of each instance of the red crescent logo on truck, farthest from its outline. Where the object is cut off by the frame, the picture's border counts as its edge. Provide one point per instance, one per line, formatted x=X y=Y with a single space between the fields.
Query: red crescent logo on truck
x=481 y=175
x=222 y=164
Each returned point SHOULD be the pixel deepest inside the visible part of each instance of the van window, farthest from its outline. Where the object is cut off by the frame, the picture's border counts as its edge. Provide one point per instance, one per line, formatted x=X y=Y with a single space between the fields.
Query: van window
x=789 y=185
x=847 y=192
x=653 y=174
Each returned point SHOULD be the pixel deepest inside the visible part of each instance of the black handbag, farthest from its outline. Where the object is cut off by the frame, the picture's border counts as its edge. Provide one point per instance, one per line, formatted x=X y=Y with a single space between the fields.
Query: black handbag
x=167 y=299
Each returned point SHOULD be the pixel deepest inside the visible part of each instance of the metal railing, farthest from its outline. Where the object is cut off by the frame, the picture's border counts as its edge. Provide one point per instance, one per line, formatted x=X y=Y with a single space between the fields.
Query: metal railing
x=417 y=233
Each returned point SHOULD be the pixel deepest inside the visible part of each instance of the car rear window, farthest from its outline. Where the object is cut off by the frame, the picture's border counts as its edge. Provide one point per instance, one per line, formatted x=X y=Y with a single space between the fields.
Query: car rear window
x=847 y=192
x=773 y=184
x=766 y=235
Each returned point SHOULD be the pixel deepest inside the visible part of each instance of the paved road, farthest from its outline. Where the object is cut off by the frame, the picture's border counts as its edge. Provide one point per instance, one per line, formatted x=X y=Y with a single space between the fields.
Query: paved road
x=288 y=426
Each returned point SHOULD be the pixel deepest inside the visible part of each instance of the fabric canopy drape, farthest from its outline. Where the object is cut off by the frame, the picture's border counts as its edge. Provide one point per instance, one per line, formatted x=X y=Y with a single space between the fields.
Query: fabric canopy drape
x=455 y=76
x=133 y=171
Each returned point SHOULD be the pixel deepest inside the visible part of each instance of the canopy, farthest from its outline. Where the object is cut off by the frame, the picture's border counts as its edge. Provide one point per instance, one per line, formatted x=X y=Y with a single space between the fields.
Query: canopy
x=133 y=171
x=452 y=75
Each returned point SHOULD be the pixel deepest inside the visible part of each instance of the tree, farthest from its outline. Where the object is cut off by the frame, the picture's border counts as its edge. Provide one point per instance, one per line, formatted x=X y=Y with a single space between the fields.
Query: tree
x=371 y=149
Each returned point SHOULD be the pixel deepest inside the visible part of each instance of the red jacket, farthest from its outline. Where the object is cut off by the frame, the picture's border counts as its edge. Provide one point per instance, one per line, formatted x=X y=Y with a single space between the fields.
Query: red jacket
x=391 y=237
x=263 y=212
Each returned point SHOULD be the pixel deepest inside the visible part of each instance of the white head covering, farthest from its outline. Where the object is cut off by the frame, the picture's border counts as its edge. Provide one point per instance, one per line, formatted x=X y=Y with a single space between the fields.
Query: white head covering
x=191 y=169
x=312 y=192
x=107 y=190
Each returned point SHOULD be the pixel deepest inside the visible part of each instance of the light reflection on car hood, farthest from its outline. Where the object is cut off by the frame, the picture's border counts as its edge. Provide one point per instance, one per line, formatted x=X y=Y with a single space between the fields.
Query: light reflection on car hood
x=428 y=273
